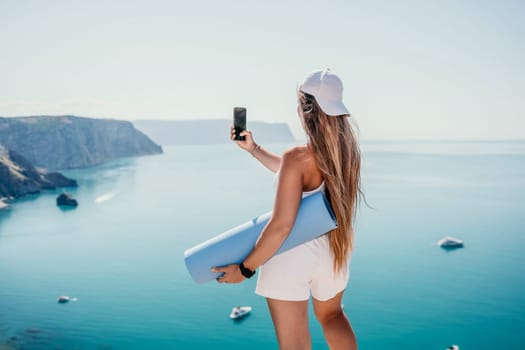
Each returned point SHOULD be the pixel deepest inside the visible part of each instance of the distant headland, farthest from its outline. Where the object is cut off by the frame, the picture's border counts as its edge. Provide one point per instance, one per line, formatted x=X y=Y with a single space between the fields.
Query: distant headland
x=209 y=131
x=30 y=147
x=64 y=142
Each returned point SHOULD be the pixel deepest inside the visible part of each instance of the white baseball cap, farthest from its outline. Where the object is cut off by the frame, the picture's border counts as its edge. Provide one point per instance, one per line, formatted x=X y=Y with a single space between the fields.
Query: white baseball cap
x=327 y=89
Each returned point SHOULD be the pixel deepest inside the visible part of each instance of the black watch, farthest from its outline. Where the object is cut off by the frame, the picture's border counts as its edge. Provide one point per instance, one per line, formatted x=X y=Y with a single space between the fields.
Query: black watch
x=245 y=271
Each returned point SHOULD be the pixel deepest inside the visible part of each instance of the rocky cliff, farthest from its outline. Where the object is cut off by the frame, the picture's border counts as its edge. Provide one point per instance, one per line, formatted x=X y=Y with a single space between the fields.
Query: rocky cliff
x=19 y=177
x=212 y=131
x=61 y=142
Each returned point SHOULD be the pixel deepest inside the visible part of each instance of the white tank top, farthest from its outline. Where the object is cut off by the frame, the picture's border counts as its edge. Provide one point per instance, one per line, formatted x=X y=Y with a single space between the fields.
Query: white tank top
x=305 y=193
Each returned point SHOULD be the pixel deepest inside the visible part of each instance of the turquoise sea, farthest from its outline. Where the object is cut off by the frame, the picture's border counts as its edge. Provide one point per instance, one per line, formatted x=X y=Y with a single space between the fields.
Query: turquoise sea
x=121 y=252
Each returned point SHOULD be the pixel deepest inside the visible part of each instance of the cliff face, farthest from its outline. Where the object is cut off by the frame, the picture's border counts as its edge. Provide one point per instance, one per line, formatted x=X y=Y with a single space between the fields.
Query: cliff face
x=72 y=142
x=213 y=131
x=19 y=177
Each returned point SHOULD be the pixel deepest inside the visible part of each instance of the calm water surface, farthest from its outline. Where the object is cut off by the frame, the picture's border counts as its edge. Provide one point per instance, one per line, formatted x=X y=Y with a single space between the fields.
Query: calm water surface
x=121 y=252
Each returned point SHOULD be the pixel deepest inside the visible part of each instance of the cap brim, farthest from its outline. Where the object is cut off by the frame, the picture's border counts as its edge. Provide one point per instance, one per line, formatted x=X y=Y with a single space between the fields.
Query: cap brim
x=333 y=108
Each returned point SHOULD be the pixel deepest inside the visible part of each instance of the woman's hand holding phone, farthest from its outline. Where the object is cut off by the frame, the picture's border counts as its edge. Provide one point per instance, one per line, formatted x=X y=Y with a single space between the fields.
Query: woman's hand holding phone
x=248 y=144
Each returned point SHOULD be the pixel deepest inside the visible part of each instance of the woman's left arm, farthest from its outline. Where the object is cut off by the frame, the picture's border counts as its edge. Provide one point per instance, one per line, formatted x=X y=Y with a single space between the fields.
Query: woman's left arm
x=286 y=205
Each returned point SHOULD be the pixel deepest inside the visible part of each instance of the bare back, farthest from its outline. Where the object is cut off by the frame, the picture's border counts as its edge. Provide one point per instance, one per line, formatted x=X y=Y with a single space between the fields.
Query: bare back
x=312 y=176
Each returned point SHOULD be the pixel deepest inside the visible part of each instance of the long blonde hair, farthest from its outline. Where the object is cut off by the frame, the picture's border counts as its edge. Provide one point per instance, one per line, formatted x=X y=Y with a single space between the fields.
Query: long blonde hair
x=336 y=151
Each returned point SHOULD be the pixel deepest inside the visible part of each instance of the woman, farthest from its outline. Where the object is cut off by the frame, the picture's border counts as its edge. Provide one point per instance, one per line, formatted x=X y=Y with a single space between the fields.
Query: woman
x=330 y=162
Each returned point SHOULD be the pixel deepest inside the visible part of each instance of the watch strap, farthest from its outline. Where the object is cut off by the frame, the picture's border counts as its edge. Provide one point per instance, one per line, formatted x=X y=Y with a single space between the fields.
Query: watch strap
x=246 y=272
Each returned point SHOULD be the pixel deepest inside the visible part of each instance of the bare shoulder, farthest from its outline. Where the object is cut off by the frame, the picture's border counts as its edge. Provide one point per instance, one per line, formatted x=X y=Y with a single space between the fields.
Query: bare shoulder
x=297 y=157
x=297 y=153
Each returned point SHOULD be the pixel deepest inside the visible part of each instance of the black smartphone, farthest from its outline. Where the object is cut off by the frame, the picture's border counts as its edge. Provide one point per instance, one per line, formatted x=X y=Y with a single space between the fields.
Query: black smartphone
x=239 y=122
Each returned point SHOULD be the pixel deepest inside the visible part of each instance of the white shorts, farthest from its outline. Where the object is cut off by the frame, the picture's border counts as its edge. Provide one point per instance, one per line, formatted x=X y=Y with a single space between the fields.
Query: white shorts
x=308 y=267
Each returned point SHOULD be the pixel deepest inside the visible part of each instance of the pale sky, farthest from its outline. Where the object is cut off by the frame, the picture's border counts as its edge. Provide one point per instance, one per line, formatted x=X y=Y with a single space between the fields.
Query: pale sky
x=447 y=69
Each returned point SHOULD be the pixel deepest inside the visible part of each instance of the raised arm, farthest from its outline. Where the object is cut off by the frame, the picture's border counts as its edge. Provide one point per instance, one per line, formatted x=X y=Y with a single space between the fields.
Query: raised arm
x=270 y=160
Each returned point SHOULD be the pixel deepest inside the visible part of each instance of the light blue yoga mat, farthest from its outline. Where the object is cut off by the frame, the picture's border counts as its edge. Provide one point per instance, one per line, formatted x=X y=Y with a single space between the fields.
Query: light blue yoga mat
x=314 y=218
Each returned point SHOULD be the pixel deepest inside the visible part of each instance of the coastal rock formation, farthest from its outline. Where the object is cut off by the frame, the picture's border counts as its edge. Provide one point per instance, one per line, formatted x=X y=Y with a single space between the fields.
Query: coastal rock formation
x=212 y=131
x=19 y=177
x=61 y=142
x=66 y=199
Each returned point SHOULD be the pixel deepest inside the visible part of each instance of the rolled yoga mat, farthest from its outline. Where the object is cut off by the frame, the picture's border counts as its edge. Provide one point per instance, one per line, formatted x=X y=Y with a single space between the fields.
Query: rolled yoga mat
x=314 y=218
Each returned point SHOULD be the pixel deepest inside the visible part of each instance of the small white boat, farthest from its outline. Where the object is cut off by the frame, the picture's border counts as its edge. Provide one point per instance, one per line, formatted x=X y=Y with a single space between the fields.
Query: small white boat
x=453 y=347
x=240 y=311
x=450 y=242
x=64 y=299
